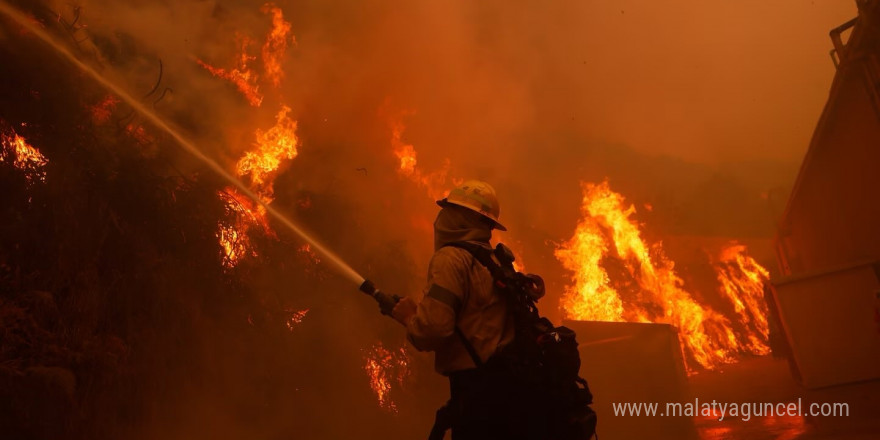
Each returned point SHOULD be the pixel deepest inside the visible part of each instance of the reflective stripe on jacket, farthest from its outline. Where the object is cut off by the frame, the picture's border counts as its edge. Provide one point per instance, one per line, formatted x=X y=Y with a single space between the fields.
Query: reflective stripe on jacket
x=459 y=291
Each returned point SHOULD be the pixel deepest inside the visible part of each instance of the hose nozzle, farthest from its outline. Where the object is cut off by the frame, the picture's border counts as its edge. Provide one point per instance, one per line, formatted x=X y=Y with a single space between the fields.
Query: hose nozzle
x=386 y=301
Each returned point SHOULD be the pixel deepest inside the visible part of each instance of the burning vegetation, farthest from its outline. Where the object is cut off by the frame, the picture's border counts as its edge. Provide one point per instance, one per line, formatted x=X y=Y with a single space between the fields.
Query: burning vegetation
x=385 y=369
x=23 y=156
x=149 y=296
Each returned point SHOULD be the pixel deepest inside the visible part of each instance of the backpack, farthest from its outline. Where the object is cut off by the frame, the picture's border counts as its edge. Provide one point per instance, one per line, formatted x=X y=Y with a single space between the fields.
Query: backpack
x=542 y=357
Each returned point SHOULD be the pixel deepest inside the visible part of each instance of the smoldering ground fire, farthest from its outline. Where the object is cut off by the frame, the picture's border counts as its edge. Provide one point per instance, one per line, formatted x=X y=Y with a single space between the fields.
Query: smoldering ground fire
x=145 y=297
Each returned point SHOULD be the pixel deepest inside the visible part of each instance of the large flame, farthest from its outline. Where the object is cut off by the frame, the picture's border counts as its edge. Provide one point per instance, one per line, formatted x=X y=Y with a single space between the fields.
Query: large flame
x=645 y=287
x=272 y=146
x=386 y=368
x=22 y=155
x=262 y=164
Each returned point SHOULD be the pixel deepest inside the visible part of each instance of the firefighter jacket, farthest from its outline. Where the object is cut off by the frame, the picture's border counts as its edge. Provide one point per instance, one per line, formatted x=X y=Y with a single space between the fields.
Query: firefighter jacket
x=459 y=293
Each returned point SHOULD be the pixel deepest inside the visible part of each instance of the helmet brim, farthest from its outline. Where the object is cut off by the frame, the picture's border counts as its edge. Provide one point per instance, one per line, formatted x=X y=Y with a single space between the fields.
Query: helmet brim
x=444 y=203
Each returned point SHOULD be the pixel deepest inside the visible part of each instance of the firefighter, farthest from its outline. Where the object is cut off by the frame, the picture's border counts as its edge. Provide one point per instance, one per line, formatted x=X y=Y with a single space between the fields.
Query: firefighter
x=464 y=321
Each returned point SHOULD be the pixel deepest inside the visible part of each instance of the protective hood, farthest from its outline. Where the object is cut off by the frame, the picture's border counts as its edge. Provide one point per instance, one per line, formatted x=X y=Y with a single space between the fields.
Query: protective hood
x=460 y=224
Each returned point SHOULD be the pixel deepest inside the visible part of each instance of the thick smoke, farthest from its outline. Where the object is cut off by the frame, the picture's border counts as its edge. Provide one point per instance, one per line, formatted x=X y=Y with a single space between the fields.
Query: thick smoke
x=701 y=110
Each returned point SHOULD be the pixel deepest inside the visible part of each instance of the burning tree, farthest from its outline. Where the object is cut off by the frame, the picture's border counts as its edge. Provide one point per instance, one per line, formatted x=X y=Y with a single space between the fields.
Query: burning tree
x=133 y=284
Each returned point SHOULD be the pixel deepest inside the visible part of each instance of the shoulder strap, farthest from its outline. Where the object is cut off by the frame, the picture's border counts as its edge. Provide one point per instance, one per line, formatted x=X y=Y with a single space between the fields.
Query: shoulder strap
x=484 y=256
x=469 y=347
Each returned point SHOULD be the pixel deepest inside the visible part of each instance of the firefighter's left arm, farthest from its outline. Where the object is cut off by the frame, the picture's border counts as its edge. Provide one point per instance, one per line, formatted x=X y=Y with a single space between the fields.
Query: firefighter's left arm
x=433 y=320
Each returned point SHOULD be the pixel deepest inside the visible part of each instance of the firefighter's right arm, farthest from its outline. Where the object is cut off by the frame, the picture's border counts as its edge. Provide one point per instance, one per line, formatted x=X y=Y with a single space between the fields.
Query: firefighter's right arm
x=433 y=322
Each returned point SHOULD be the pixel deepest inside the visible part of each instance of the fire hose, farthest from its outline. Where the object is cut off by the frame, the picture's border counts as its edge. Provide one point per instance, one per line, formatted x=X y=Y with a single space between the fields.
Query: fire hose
x=386 y=301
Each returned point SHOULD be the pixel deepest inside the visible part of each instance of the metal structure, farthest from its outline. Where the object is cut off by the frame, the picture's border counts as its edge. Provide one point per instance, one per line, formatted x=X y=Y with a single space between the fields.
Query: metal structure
x=828 y=242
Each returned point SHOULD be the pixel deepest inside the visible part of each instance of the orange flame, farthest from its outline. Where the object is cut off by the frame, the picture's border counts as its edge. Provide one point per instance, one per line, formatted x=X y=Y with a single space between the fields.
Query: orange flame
x=385 y=368
x=276 y=44
x=742 y=281
x=646 y=287
x=23 y=156
x=434 y=182
x=233 y=235
x=272 y=146
x=241 y=76
x=262 y=165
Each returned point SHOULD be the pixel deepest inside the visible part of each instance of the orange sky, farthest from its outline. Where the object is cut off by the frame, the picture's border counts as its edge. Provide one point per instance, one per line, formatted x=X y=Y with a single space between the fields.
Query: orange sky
x=707 y=80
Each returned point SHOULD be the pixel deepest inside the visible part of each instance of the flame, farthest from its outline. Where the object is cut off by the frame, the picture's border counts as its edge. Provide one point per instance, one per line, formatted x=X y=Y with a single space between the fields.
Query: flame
x=244 y=79
x=646 y=288
x=23 y=156
x=591 y=298
x=242 y=76
x=272 y=146
x=435 y=182
x=233 y=234
x=742 y=282
x=276 y=44
x=262 y=165
x=385 y=368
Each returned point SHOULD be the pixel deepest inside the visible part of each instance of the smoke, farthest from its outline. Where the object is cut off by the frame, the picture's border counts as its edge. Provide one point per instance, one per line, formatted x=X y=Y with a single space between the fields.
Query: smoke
x=699 y=109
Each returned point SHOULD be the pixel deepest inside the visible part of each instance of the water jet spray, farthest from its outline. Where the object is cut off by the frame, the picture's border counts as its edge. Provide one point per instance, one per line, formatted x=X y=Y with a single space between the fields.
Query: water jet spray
x=386 y=301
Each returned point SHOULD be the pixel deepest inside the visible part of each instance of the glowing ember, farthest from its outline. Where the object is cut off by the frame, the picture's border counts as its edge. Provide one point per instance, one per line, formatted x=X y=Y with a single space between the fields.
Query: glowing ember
x=276 y=44
x=436 y=182
x=233 y=234
x=139 y=134
x=272 y=146
x=244 y=79
x=306 y=249
x=101 y=111
x=386 y=368
x=742 y=282
x=235 y=245
x=646 y=287
x=296 y=317
x=23 y=156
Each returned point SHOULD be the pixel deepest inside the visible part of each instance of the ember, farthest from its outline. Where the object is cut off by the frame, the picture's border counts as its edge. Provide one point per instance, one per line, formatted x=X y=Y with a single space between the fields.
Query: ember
x=386 y=368
x=16 y=150
x=101 y=111
x=233 y=234
x=296 y=317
